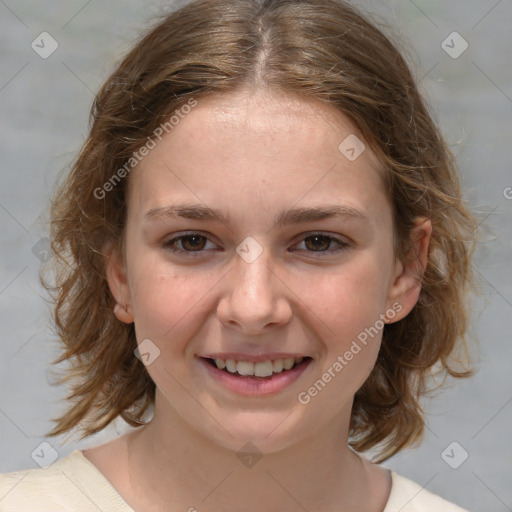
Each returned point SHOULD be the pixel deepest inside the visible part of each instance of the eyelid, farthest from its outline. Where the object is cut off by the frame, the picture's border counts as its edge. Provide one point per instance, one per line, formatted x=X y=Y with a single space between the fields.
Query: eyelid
x=167 y=244
x=343 y=242
x=335 y=236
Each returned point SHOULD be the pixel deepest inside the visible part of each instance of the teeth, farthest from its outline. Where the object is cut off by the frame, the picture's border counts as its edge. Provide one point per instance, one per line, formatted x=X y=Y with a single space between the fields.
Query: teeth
x=245 y=368
x=288 y=363
x=261 y=369
x=278 y=365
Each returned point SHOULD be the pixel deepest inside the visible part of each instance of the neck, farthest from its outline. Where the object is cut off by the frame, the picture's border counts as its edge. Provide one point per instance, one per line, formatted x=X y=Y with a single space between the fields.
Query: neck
x=175 y=464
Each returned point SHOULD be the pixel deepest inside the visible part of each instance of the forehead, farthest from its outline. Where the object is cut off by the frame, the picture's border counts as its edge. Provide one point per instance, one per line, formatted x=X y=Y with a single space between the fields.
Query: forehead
x=280 y=146
x=265 y=113
x=264 y=109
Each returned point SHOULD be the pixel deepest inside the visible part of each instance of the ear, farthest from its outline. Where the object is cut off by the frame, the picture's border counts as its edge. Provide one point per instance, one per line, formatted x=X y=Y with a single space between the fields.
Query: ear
x=118 y=283
x=406 y=285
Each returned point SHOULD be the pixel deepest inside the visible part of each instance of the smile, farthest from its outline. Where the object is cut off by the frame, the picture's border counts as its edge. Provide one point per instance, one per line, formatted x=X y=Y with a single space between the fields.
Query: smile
x=250 y=378
x=261 y=369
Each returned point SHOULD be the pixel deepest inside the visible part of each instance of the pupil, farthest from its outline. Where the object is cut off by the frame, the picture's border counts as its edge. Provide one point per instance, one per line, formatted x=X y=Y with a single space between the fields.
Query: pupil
x=323 y=238
x=194 y=245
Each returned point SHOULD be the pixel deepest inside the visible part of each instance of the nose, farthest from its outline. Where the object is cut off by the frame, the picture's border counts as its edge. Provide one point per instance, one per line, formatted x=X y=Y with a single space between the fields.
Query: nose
x=256 y=298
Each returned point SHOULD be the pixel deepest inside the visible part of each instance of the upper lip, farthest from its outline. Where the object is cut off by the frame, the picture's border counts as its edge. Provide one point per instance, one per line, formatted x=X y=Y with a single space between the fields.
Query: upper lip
x=254 y=358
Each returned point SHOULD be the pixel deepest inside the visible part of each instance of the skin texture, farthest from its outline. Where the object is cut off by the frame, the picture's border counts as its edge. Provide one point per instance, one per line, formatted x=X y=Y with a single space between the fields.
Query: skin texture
x=252 y=154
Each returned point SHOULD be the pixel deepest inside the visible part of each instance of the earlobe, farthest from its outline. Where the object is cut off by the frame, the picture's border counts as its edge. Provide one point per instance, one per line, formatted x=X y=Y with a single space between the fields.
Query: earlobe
x=118 y=284
x=406 y=286
x=123 y=313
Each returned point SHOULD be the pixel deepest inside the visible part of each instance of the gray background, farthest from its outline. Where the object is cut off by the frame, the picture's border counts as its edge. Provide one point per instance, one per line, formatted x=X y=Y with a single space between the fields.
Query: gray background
x=44 y=105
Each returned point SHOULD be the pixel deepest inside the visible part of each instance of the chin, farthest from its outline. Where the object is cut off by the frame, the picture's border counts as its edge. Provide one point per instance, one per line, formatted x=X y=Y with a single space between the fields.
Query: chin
x=265 y=433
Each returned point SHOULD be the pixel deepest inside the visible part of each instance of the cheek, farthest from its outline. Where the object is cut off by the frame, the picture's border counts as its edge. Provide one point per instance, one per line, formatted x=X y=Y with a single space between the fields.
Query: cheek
x=169 y=305
x=350 y=298
x=349 y=306
x=348 y=313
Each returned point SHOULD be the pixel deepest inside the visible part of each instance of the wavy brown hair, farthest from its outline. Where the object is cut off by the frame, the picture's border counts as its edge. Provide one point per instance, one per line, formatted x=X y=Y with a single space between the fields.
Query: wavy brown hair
x=323 y=49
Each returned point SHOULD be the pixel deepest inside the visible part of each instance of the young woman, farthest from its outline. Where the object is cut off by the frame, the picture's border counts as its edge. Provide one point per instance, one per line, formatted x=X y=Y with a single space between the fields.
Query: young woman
x=263 y=242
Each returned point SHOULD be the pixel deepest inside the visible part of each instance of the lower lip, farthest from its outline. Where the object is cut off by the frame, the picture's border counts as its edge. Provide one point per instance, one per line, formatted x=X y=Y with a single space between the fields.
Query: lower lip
x=256 y=386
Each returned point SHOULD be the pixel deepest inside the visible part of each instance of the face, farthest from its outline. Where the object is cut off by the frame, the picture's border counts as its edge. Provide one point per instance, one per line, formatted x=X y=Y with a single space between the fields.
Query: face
x=253 y=239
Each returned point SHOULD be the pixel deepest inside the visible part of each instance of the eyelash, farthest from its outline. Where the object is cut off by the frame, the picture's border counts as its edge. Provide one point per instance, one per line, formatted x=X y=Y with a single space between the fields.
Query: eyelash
x=169 y=244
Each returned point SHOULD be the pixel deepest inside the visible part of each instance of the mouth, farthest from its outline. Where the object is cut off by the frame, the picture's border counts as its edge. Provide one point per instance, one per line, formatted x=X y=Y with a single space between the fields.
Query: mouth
x=251 y=378
x=262 y=369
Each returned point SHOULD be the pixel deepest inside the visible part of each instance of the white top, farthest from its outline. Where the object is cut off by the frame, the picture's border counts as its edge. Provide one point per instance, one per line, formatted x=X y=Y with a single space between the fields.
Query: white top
x=73 y=483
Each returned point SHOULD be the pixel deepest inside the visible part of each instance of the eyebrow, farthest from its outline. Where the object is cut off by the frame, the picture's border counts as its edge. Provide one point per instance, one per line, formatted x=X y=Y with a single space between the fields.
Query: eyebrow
x=284 y=217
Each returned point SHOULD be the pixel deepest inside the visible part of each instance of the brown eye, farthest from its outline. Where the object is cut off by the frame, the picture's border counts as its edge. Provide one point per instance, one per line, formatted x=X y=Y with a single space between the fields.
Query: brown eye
x=193 y=242
x=322 y=244
x=318 y=242
x=187 y=243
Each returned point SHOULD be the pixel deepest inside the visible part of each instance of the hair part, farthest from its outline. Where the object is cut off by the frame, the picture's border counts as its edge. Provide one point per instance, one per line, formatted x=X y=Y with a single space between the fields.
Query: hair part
x=321 y=49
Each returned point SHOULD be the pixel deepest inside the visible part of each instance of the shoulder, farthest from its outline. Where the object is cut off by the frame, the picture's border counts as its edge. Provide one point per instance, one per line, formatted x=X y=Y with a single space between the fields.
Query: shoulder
x=71 y=483
x=408 y=496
